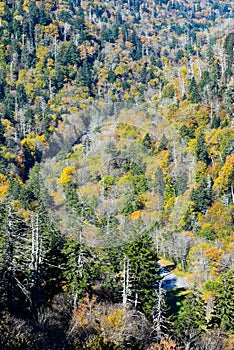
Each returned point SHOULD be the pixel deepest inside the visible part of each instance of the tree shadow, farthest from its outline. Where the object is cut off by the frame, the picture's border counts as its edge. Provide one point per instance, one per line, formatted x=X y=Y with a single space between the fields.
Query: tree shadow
x=174 y=299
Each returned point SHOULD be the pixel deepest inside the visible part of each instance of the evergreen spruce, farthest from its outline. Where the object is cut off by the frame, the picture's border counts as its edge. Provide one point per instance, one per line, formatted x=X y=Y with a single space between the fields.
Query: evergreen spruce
x=191 y=320
x=142 y=261
x=202 y=197
x=222 y=315
x=201 y=150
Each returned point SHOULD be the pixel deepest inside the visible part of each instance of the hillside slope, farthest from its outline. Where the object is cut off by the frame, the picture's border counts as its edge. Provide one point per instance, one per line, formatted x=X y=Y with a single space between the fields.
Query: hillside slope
x=116 y=150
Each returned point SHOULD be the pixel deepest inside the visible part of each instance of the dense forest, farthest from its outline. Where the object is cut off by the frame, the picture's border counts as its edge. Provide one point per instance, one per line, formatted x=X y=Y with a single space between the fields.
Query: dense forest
x=116 y=172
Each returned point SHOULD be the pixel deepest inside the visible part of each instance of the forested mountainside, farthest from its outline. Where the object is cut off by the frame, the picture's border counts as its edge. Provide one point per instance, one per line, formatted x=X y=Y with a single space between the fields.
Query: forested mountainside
x=116 y=165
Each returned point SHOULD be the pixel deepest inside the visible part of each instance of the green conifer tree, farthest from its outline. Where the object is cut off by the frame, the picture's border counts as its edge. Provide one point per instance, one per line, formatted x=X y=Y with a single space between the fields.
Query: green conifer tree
x=194 y=91
x=201 y=150
x=223 y=313
x=142 y=261
x=202 y=197
x=191 y=319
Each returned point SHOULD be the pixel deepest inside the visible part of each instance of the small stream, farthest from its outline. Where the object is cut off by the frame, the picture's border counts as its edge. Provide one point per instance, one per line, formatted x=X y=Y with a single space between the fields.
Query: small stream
x=171 y=281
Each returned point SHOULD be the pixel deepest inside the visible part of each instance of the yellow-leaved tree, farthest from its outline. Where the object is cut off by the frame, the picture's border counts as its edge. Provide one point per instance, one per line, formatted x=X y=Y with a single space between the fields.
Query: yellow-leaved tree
x=67 y=174
x=224 y=183
x=4 y=186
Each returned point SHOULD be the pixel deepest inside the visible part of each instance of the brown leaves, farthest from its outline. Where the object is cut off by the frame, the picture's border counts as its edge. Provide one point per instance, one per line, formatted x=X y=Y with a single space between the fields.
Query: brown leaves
x=110 y=321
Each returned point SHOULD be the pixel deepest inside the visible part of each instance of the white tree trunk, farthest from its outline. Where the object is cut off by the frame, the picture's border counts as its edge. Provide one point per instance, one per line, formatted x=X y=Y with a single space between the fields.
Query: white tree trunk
x=232 y=192
x=36 y=247
x=126 y=284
